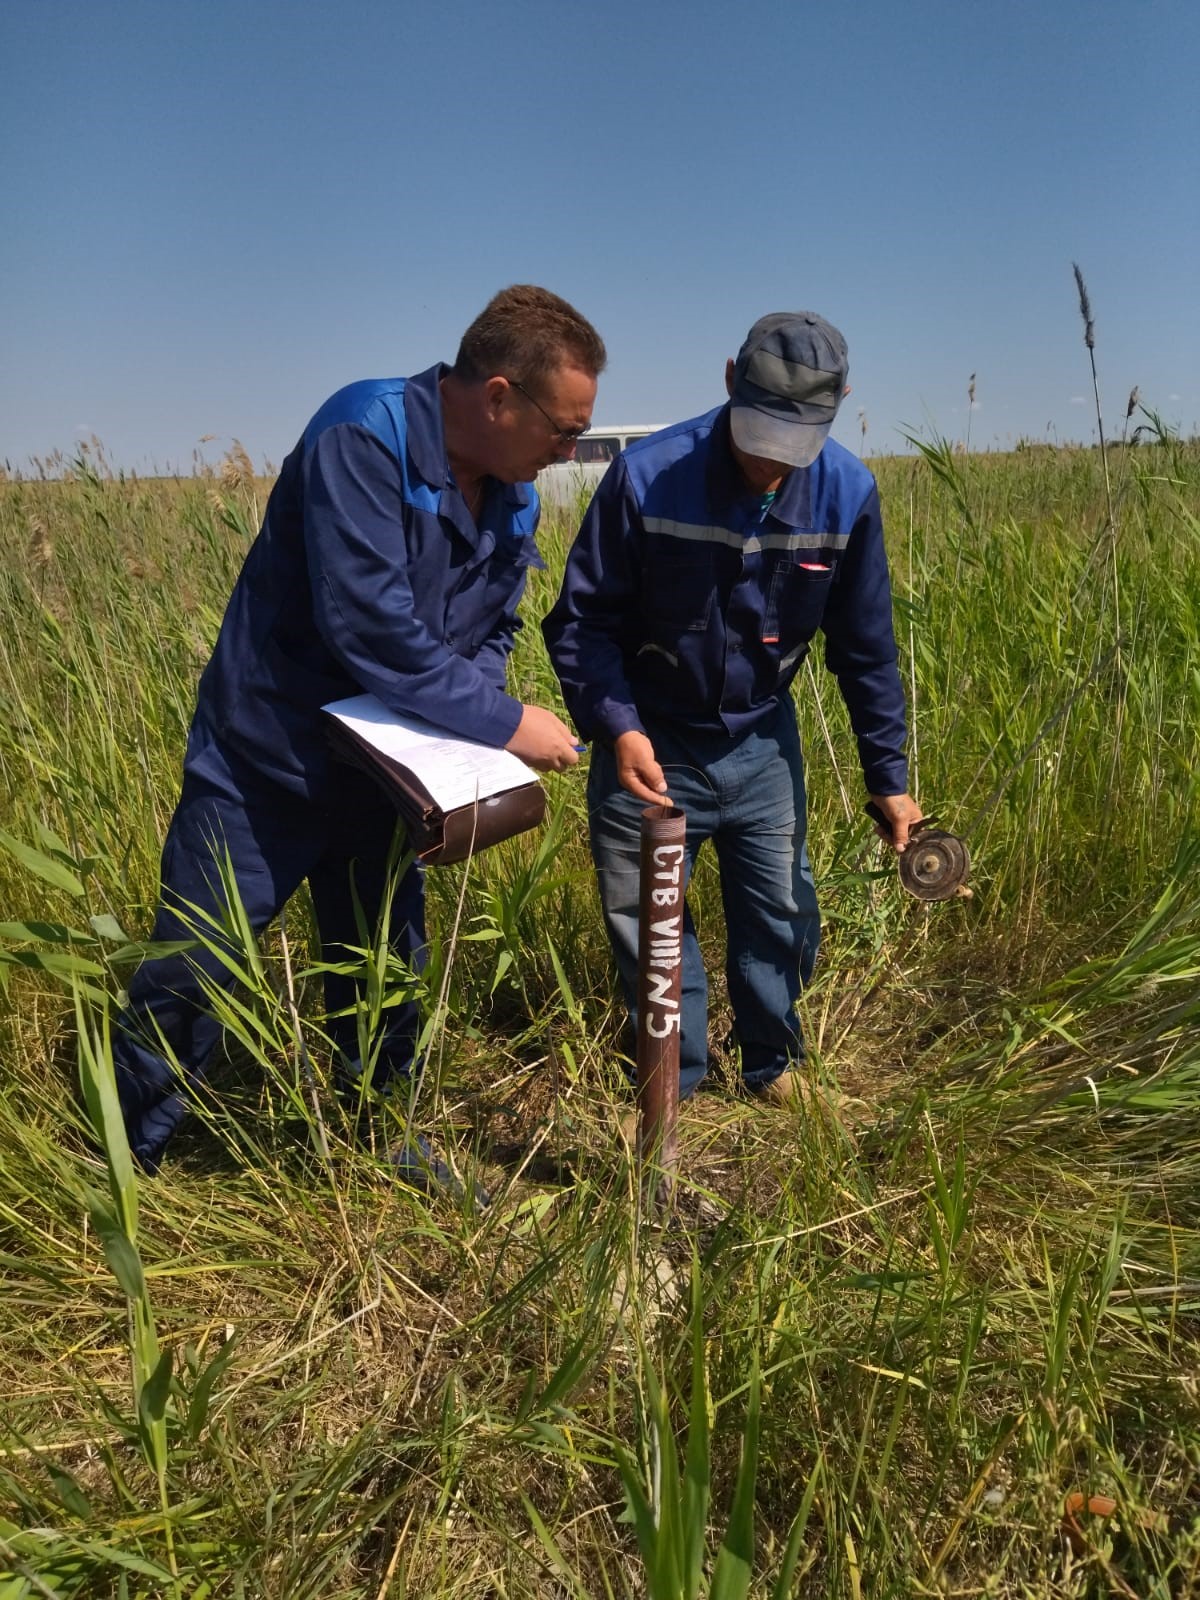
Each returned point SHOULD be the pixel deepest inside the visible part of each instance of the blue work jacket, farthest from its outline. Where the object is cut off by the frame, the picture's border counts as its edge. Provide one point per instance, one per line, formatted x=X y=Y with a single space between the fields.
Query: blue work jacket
x=689 y=600
x=370 y=575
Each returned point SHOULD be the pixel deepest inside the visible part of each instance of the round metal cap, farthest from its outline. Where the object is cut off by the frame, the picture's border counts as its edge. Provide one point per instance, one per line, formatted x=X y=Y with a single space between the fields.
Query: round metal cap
x=935 y=865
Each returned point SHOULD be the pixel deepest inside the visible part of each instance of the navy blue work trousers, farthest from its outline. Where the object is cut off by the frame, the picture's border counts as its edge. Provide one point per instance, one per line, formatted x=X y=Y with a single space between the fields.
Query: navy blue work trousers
x=274 y=839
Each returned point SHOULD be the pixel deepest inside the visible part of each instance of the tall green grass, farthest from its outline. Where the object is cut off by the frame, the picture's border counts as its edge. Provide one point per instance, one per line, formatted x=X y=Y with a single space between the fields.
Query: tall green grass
x=843 y=1368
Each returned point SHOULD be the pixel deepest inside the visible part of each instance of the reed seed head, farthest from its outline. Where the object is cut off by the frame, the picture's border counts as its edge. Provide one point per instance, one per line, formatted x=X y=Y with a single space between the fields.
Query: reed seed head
x=971 y=390
x=41 y=546
x=237 y=470
x=1135 y=394
x=1085 y=308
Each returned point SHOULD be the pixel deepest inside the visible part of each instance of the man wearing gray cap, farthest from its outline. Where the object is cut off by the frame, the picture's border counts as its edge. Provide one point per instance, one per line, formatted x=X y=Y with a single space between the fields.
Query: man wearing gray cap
x=707 y=561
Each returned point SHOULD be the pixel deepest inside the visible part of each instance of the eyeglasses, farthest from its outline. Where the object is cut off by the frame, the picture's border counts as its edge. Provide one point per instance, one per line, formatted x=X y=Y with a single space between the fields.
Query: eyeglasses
x=567 y=435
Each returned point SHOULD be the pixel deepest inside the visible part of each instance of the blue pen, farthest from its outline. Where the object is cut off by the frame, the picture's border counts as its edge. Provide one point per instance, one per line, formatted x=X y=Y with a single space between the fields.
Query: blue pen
x=580 y=749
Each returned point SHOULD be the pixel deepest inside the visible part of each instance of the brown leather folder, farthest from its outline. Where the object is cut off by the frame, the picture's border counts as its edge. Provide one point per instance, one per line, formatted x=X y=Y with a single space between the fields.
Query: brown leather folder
x=440 y=837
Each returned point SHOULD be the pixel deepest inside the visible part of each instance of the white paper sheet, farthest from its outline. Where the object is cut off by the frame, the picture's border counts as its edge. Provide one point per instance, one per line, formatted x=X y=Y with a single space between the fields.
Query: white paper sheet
x=457 y=772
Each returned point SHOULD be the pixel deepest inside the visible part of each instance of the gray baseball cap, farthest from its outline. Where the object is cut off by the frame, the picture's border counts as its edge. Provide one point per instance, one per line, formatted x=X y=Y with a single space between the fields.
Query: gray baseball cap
x=788 y=382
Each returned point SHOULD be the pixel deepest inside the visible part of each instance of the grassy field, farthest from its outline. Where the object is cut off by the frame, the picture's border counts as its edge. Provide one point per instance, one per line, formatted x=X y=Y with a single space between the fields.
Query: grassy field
x=958 y=1355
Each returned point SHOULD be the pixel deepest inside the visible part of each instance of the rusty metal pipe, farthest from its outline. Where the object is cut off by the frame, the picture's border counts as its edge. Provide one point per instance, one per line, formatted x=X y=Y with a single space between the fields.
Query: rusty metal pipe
x=660 y=971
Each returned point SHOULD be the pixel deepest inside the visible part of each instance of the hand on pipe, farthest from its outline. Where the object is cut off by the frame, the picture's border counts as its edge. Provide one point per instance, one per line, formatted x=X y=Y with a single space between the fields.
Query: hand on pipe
x=638 y=770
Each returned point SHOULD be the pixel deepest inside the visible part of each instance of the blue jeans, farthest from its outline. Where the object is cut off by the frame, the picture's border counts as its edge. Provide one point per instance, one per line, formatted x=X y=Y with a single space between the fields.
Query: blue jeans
x=746 y=794
x=275 y=840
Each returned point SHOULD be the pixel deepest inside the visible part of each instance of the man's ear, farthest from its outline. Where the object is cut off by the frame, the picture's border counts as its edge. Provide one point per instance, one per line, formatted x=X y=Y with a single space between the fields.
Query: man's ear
x=729 y=376
x=495 y=392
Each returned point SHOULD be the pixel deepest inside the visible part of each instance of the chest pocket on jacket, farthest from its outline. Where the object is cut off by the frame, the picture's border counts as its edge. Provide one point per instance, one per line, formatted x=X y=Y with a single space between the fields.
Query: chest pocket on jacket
x=796 y=596
x=678 y=586
x=486 y=592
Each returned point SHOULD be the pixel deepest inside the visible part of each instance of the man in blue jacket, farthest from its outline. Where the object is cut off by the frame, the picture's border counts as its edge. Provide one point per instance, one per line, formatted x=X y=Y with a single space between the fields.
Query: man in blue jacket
x=709 y=557
x=391 y=559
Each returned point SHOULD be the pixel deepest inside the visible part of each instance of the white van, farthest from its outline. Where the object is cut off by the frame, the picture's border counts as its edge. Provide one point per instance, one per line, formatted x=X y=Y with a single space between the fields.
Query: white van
x=567 y=482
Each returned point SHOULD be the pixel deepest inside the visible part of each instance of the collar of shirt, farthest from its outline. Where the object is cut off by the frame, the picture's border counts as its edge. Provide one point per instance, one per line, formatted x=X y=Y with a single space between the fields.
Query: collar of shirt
x=427 y=448
x=727 y=489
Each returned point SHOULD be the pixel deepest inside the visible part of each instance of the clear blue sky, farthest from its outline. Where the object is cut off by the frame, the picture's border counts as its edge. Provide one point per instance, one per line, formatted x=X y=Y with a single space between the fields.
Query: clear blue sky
x=217 y=213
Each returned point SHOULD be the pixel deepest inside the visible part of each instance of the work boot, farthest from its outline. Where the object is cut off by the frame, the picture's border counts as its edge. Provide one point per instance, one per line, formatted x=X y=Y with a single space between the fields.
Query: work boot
x=793 y=1089
x=415 y=1164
